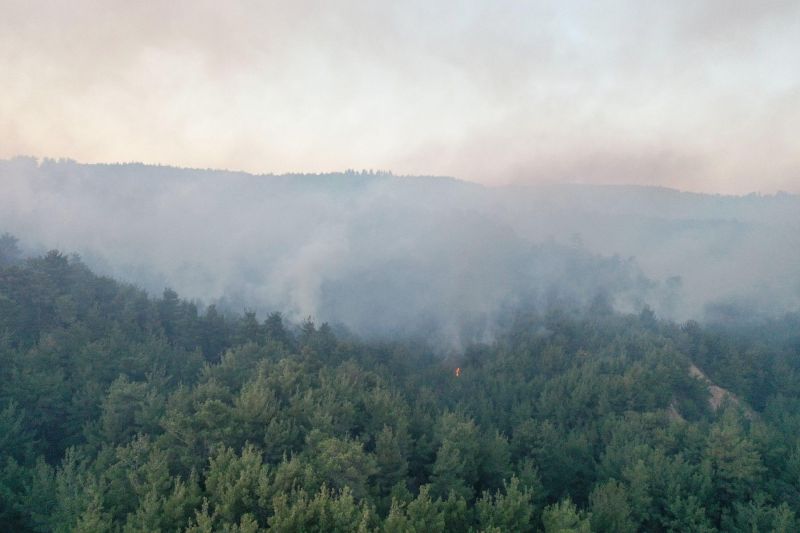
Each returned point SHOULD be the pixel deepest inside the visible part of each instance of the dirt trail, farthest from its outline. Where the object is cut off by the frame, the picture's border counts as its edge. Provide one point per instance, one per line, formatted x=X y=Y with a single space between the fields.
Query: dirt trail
x=718 y=394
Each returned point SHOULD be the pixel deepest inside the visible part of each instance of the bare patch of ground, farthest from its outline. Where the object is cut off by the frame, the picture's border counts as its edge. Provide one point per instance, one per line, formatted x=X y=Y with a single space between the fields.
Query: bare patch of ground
x=718 y=394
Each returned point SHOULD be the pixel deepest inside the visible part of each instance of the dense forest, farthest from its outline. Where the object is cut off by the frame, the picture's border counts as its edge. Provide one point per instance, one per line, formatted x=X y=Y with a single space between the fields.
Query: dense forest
x=124 y=412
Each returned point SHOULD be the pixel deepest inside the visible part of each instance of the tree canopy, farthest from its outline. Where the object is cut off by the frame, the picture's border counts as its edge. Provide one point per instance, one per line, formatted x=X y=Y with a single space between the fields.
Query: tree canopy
x=124 y=412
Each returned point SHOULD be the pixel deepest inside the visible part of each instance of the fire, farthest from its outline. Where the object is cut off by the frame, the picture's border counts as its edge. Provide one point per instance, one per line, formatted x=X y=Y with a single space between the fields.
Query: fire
x=458 y=371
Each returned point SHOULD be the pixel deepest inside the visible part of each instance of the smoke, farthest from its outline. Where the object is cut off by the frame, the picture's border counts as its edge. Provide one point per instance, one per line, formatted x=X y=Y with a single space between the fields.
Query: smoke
x=388 y=255
x=699 y=96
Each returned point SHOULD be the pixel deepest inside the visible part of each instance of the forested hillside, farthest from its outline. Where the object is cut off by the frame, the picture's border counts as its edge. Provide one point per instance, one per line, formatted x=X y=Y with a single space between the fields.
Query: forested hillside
x=124 y=412
x=387 y=255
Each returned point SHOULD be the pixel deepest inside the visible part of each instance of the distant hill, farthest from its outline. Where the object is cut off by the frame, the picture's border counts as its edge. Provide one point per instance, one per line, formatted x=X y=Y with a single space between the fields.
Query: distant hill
x=385 y=253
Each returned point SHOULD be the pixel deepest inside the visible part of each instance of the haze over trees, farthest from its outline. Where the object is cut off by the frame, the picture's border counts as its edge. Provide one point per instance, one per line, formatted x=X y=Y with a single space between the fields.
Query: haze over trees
x=124 y=412
x=387 y=255
x=560 y=338
x=366 y=352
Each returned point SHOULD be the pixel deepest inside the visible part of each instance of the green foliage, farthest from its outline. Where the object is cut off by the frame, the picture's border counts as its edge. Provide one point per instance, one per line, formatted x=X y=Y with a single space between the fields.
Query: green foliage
x=237 y=484
x=564 y=517
x=610 y=510
x=125 y=413
x=341 y=463
x=327 y=511
x=424 y=514
x=735 y=462
x=510 y=510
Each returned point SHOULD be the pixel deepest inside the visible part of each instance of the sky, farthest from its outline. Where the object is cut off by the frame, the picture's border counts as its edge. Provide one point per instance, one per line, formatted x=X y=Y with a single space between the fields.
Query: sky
x=696 y=95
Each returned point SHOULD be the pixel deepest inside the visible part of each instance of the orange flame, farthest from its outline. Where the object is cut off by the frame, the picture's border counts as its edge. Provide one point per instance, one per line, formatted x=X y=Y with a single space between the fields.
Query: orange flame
x=458 y=371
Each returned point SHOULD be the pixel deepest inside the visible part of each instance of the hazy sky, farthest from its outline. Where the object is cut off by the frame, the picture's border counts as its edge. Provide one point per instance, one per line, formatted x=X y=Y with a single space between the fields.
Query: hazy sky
x=698 y=95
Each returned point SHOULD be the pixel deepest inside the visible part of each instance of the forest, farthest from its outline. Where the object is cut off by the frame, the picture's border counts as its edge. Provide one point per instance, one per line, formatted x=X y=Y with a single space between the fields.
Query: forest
x=393 y=255
x=378 y=266
x=124 y=412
